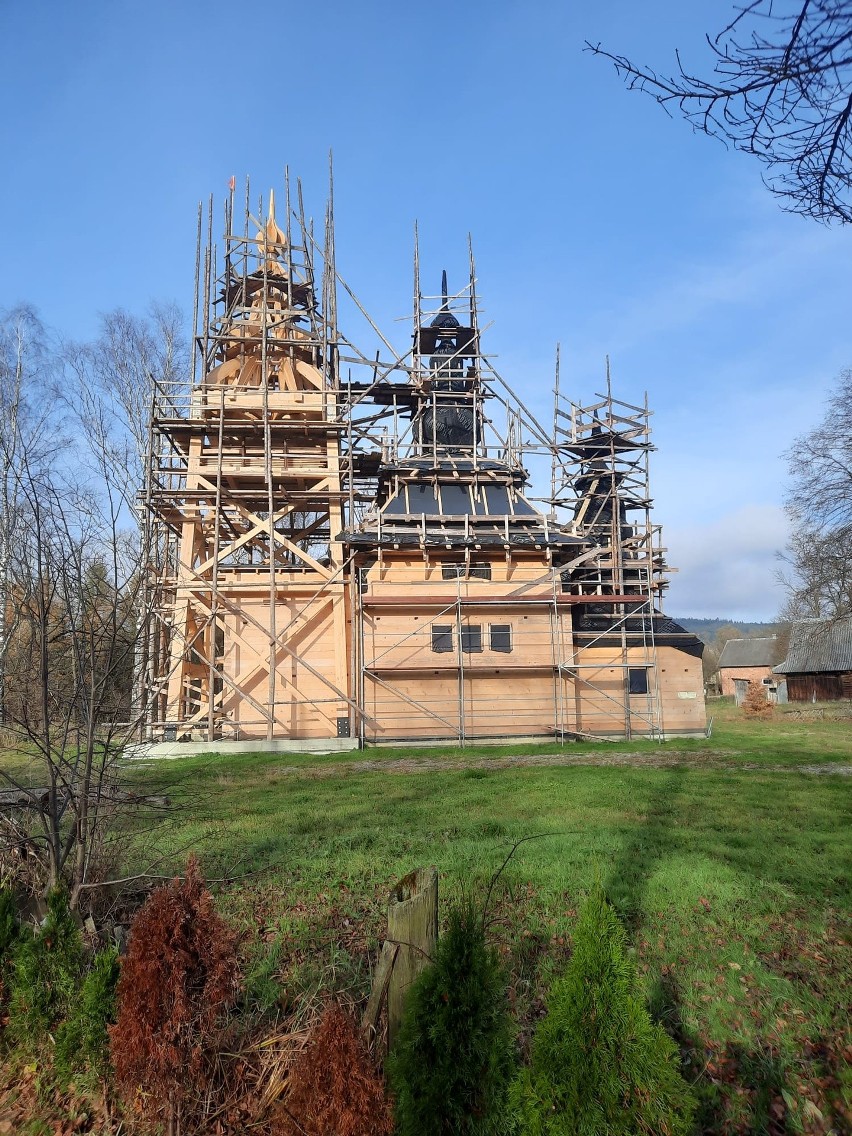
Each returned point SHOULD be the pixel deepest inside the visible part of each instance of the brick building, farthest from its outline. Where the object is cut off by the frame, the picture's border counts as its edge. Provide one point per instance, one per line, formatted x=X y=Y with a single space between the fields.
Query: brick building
x=748 y=660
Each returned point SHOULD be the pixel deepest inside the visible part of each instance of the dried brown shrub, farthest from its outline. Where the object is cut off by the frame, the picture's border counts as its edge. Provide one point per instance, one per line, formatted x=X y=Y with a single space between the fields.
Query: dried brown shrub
x=335 y=1086
x=755 y=703
x=178 y=978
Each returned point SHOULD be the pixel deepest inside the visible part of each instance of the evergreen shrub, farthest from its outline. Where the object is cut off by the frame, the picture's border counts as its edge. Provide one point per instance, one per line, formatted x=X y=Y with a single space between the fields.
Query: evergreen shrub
x=8 y=935
x=452 y=1060
x=82 y=1041
x=46 y=968
x=600 y=1065
x=8 y=925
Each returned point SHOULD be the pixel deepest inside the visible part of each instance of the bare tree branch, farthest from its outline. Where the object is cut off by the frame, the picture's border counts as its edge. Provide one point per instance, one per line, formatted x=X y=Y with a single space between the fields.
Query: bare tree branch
x=781 y=90
x=818 y=561
x=77 y=571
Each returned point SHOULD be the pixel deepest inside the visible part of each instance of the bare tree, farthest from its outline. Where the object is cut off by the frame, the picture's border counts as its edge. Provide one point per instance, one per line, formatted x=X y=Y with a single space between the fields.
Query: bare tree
x=69 y=669
x=818 y=561
x=820 y=466
x=110 y=391
x=77 y=573
x=781 y=89
x=818 y=574
x=113 y=377
x=26 y=368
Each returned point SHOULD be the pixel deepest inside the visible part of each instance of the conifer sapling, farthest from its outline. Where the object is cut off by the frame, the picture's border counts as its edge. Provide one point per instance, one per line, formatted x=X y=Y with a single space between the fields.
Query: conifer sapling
x=452 y=1060
x=599 y=1063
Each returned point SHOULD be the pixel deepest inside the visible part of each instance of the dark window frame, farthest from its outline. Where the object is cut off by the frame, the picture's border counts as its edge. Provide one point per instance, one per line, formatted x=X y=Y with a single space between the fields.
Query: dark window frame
x=637 y=680
x=471 y=638
x=442 y=638
x=458 y=570
x=500 y=637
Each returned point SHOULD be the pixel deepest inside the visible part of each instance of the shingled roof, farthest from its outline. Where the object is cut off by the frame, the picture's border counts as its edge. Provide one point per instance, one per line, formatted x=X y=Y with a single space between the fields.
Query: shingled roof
x=819 y=646
x=749 y=653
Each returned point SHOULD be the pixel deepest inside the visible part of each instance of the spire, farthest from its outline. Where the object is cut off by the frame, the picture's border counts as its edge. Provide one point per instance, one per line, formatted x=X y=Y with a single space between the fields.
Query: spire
x=271 y=232
x=445 y=318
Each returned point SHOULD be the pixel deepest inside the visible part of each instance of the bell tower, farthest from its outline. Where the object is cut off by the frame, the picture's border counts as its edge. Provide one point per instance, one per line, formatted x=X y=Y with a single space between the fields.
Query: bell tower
x=253 y=626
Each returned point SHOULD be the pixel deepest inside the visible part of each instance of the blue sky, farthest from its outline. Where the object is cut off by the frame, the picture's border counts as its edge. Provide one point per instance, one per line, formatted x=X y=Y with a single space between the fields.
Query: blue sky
x=597 y=221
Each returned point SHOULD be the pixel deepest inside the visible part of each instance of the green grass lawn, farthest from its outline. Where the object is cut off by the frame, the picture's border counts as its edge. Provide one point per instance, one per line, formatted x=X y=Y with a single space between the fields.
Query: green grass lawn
x=729 y=867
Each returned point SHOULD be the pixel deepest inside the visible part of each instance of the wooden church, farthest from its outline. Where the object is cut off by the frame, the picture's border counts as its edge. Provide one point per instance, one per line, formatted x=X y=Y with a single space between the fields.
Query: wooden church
x=349 y=547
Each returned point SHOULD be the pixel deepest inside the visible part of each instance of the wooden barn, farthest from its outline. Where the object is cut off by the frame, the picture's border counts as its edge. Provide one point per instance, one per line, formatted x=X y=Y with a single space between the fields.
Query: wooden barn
x=348 y=547
x=818 y=667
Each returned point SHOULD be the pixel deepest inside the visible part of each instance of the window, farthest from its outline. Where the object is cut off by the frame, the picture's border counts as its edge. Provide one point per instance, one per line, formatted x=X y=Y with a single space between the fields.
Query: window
x=637 y=680
x=442 y=638
x=501 y=637
x=457 y=570
x=471 y=638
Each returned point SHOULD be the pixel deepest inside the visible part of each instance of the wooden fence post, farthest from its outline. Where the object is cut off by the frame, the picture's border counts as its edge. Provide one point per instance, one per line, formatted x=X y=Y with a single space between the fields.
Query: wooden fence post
x=413 y=930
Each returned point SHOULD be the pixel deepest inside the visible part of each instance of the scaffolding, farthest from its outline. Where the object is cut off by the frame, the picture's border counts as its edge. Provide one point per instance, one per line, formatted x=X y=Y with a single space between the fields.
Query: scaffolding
x=600 y=475
x=246 y=490
x=318 y=510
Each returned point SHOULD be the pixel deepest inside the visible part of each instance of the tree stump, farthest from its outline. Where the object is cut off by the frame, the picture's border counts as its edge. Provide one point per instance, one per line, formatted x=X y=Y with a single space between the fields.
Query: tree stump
x=413 y=929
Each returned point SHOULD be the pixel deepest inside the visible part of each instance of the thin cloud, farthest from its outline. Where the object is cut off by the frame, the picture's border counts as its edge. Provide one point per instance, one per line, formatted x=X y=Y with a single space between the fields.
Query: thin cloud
x=728 y=568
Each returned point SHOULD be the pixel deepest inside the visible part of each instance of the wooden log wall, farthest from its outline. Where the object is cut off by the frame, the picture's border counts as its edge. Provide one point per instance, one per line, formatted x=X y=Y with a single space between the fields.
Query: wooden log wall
x=473 y=658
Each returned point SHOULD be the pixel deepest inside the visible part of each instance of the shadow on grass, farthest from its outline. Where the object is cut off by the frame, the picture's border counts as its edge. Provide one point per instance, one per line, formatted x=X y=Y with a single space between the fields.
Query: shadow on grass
x=760 y=1070
x=649 y=842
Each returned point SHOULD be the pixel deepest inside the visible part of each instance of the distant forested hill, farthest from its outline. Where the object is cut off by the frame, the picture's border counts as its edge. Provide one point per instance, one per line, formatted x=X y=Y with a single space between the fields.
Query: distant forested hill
x=706 y=629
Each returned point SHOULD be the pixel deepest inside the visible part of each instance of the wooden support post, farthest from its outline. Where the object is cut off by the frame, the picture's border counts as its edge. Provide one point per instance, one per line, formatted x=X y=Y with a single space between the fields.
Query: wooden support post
x=413 y=928
x=381 y=980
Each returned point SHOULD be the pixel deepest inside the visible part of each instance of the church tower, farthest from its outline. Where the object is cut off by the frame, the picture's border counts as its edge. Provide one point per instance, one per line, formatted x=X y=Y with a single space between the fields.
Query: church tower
x=248 y=493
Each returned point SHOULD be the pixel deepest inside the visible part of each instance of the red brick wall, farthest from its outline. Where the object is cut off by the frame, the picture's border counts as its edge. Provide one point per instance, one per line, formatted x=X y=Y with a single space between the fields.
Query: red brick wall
x=755 y=674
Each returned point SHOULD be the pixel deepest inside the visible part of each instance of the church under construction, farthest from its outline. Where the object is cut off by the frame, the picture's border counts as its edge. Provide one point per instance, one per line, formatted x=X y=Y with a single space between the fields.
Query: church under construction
x=346 y=546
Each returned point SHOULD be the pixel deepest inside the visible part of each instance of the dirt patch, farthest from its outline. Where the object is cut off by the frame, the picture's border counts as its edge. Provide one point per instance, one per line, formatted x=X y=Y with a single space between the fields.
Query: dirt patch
x=711 y=760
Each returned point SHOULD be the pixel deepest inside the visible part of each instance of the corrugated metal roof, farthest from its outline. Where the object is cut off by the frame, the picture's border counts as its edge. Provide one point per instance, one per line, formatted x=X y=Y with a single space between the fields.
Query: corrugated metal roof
x=749 y=653
x=817 y=646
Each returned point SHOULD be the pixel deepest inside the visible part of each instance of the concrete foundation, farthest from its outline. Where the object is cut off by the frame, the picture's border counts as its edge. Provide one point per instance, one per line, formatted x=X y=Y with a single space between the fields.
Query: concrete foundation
x=172 y=750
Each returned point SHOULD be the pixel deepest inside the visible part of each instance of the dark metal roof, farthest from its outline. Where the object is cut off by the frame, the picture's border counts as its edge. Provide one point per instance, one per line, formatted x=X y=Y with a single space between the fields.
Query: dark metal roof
x=410 y=534
x=449 y=467
x=457 y=499
x=817 y=646
x=592 y=628
x=458 y=502
x=749 y=652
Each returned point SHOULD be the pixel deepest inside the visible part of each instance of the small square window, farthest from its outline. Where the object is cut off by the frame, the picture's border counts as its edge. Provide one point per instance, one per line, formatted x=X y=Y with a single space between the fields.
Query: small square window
x=471 y=638
x=442 y=638
x=501 y=637
x=637 y=680
x=481 y=571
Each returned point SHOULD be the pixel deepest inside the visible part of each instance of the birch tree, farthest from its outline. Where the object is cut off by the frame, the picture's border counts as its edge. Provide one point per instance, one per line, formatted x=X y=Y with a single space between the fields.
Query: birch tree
x=113 y=381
